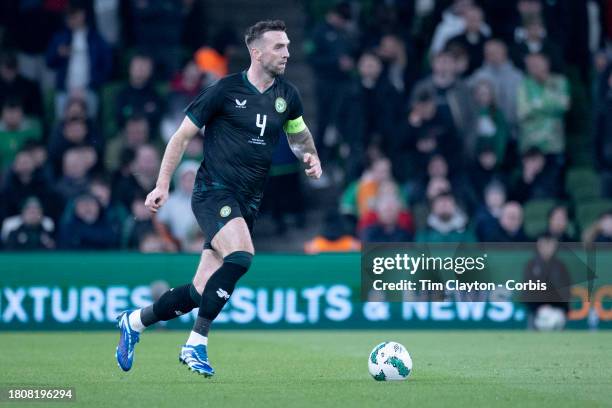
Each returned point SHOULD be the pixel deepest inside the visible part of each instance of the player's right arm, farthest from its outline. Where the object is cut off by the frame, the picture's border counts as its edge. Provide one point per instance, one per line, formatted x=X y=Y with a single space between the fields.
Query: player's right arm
x=172 y=157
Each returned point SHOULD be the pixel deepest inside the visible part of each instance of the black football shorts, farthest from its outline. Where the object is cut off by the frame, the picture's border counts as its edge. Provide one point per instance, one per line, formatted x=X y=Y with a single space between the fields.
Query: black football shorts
x=215 y=208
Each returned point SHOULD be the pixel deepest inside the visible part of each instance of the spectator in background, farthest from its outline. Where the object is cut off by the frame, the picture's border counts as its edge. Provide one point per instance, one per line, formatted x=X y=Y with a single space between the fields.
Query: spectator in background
x=387 y=188
x=176 y=215
x=535 y=41
x=14 y=86
x=152 y=243
x=526 y=10
x=510 y=225
x=453 y=96
x=473 y=38
x=38 y=151
x=486 y=170
x=461 y=59
x=138 y=225
x=603 y=135
x=81 y=59
x=76 y=164
x=135 y=133
x=157 y=27
x=334 y=236
x=15 y=130
x=391 y=224
x=503 y=75
x=490 y=123
x=438 y=168
x=211 y=62
x=428 y=132
x=76 y=108
x=379 y=173
x=71 y=133
x=83 y=227
x=453 y=23
x=31 y=234
x=213 y=57
x=141 y=178
x=184 y=87
x=330 y=53
x=599 y=231
x=547 y=268
x=486 y=220
x=559 y=225
x=445 y=222
x=424 y=194
x=349 y=203
x=139 y=96
x=600 y=86
x=112 y=213
x=107 y=20
x=539 y=178
x=368 y=111
x=543 y=99
x=24 y=180
x=399 y=73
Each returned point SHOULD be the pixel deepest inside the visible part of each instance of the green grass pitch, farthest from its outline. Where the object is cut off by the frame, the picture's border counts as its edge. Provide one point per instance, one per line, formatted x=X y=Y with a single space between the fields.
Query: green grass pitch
x=318 y=369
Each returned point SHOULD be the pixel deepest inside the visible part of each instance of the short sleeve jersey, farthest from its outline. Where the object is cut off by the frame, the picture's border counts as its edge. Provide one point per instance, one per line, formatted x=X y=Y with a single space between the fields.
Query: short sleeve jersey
x=242 y=128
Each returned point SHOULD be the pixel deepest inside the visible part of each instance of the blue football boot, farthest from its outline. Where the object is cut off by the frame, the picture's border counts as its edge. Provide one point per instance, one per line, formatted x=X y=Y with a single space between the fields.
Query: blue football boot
x=127 y=341
x=196 y=358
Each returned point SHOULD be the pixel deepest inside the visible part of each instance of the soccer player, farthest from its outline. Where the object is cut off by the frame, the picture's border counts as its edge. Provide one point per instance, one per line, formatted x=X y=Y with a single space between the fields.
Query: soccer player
x=243 y=115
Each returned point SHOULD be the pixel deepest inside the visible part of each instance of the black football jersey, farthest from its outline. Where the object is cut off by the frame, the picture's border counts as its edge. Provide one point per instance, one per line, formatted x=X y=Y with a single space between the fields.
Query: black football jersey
x=242 y=128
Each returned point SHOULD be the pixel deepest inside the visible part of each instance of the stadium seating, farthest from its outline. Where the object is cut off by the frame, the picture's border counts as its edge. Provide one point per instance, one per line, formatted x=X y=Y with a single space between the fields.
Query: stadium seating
x=582 y=184
x=536 y=215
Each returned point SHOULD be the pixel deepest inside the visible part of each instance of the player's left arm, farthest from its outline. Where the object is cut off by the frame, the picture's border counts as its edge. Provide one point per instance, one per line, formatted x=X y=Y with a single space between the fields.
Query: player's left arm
x=302 y=144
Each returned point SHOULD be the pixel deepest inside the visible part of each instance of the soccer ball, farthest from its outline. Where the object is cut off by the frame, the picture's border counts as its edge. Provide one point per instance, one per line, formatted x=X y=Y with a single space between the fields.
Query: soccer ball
x=389 y=361
x=549 y=318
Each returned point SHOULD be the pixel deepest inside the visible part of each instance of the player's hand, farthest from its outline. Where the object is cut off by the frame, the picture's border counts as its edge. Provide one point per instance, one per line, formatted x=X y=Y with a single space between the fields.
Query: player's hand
x=313 y=166
x=156 y=199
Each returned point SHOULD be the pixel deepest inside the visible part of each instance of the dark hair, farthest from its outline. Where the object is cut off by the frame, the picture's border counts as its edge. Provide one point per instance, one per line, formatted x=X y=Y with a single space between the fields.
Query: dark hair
x=369 y=51
x=32 y=144
x=76 y=6
x=255 y=32
x=12 y=102
x=140 y=54
x=100 y=179
x=30 y=200
x=533 y=152
x=444 y=194
x=557 y=207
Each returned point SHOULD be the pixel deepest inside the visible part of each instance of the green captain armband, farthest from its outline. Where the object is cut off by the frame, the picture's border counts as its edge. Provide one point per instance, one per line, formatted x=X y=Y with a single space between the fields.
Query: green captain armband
x=294 y=125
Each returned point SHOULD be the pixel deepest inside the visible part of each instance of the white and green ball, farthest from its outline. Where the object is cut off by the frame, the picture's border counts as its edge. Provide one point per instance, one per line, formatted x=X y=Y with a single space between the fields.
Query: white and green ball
x=389 y=361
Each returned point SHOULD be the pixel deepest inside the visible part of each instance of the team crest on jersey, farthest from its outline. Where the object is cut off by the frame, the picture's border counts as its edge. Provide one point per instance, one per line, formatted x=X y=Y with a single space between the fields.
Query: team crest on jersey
x=226 y=210
x=240 y=104
x=280 y=105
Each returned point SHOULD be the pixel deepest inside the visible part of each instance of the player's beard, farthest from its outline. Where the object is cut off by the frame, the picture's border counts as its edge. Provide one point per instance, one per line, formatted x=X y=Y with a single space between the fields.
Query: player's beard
x=274 y=70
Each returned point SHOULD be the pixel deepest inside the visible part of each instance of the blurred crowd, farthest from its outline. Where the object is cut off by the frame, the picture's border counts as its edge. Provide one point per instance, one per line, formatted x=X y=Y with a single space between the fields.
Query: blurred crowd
x=440 y=121
x=465 y=120
x=90 y=92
